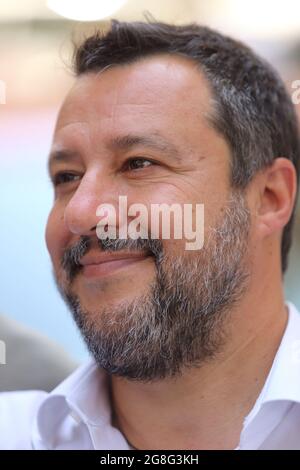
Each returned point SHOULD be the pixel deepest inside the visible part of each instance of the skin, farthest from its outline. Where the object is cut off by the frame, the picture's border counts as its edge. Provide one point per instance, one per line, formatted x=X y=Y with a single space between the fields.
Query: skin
x=168 y=96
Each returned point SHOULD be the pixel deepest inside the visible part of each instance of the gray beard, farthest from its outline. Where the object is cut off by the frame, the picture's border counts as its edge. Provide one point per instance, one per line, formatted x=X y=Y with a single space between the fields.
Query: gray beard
x=181 y=323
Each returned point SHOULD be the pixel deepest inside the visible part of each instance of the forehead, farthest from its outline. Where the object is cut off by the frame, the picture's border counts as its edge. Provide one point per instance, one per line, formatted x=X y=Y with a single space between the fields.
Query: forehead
x=157 y=91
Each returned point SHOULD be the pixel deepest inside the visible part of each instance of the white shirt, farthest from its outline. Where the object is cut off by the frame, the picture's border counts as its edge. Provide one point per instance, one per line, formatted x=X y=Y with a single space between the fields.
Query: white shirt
x=77 y=414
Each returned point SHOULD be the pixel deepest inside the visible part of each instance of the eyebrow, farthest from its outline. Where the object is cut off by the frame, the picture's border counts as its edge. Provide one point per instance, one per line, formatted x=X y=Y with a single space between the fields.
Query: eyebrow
x=154 y=141
x=61 y=155
x=122 y=143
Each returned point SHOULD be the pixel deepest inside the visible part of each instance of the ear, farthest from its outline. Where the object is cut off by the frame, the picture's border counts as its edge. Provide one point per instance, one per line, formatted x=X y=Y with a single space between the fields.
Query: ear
x=278 y=188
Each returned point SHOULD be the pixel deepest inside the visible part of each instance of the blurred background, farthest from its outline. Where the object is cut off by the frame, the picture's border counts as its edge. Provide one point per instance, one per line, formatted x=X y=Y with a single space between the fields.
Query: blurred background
x=35 y=55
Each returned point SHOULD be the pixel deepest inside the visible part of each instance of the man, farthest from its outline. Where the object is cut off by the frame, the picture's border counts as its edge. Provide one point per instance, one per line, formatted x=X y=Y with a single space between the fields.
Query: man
x=192 y=349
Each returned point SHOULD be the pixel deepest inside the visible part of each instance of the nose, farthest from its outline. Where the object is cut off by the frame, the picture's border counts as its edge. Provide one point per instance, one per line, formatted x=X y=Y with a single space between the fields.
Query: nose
x=80 y=214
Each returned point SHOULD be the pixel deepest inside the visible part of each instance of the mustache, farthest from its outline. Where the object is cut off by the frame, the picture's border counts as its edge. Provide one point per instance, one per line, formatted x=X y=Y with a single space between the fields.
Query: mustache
x=72 y=256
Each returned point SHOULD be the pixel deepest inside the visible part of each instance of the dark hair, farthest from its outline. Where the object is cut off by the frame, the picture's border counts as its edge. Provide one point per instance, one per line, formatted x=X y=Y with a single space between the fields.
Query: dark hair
x=253 y=110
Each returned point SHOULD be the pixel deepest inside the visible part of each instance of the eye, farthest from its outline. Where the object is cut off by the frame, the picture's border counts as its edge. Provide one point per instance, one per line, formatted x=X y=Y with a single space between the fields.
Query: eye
x=138 y=163
x=64 y=177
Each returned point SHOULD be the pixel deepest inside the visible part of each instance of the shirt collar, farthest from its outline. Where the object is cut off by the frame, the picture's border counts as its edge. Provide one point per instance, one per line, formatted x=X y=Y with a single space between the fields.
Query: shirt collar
x=283 y=381
x=281 y=389
x=84 y=397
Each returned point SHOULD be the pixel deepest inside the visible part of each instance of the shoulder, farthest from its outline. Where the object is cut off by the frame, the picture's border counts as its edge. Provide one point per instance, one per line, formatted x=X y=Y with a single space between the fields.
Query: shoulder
x=17 y=411
x=30 y=351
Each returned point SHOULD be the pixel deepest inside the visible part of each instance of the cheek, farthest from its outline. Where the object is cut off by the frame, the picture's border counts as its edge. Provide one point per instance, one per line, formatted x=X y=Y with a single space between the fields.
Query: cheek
x=56 y=235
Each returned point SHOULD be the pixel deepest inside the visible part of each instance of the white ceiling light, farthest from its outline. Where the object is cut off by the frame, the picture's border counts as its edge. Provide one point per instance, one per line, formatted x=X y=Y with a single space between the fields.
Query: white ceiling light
x=85 y=10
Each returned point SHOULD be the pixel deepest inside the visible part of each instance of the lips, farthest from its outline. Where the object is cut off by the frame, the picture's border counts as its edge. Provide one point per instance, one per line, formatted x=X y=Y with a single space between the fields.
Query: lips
x=99 y=264
x=99 y=258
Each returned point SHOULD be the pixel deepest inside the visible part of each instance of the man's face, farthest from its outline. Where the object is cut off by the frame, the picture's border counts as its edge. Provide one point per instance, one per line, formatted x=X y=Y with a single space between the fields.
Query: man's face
x=141 y=130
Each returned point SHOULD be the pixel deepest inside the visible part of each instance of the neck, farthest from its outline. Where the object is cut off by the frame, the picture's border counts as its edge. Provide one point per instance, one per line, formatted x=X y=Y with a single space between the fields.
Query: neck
x=205 y=407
